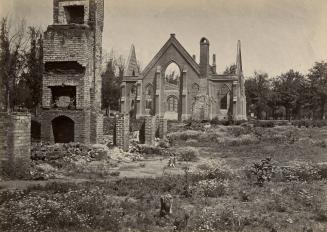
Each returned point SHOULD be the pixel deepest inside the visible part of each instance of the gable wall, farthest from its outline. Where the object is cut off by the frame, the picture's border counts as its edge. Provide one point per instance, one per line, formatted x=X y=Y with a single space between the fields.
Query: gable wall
x=172 y=54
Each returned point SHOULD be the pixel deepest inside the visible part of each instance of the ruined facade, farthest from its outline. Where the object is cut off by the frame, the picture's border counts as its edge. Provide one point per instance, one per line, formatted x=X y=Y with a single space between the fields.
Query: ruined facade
x=71 y=91
x=175 y=86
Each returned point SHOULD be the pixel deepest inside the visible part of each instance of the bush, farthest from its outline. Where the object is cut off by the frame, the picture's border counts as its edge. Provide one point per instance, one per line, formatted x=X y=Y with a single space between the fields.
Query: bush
x=303 y=171
x=188 y=154
x=265 y=124
x=210 y=188
x=262 y=171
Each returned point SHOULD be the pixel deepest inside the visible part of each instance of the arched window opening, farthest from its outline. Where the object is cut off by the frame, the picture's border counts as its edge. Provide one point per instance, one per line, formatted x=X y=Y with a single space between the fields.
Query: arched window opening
x=172 y=103
x=223 y=97
x=133 y=90
x=223 y=102
x=172 y=74
x=63 y=129
x=148 y=96
x=195 y=89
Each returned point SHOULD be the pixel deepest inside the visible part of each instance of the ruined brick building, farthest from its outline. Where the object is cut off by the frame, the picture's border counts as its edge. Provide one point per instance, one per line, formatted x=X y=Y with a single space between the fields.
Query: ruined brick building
x=175 y=86
x=71 y=91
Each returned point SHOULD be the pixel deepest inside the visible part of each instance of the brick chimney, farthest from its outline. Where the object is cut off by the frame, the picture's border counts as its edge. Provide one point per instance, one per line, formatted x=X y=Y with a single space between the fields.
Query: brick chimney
x=204 y=57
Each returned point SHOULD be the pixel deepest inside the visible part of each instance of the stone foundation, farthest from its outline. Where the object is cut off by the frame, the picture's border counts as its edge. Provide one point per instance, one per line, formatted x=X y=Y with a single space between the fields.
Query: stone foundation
x=15 y=144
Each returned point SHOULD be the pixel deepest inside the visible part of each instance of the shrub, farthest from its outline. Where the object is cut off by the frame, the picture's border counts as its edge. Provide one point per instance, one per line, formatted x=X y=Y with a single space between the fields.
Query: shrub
x=267 y=124
x=304 y=171
x=262 y=171
x=211 y=188
x=188 y=154
x=183 y=136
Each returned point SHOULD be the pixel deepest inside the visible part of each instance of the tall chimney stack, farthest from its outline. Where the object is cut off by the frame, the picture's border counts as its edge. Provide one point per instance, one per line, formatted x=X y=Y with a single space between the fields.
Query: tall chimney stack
x=204 y=57
x=214 y=63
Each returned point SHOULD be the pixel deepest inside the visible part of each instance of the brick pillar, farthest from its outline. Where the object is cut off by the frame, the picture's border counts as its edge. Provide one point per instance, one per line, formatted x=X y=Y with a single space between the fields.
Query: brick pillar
x=122 y=131
x=15 y=144
x=150 y=129
x=161 y=127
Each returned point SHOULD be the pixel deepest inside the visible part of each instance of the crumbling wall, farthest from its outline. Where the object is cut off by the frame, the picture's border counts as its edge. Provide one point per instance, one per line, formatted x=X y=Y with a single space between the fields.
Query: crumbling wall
x=121 y=135
x=15 y=144
x=161 y=127
x=149 y=130
x=201 y=108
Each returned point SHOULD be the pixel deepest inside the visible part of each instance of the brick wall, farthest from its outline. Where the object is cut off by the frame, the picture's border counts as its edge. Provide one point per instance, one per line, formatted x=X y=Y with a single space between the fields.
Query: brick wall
x=15 y=144
x=149 y=129
x=161 y=127
x=121 y=137
x=81 y=43
x=81 y=124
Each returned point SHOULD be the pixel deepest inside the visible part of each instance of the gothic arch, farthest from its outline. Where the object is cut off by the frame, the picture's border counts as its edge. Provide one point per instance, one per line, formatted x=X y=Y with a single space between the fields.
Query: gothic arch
x=172 y=73
x=223 y=95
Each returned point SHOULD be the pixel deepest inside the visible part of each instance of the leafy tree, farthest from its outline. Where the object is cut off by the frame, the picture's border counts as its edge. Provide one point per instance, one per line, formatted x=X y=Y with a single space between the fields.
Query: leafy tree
x=12 y=62
x=33 y=76
x=230 y=70
x=318 y=83
x=288 y=88
x=110 y=87
x=257 y=91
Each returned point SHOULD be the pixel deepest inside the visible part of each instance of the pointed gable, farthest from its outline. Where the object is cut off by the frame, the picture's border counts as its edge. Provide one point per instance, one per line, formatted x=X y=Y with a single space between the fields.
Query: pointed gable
x=132 y=68
x=172 y=41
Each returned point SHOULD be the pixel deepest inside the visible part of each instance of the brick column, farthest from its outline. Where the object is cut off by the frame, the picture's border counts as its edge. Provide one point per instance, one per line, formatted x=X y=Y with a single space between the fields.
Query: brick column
x=15 y=144
x=161 y=127
x=121 y=135
x=150 y=129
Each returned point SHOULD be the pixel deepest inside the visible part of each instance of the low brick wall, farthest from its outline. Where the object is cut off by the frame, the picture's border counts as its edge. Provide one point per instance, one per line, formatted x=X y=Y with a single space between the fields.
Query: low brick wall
x=149 y=130
x=15 y=144
x=161 y=127
x=121 y=135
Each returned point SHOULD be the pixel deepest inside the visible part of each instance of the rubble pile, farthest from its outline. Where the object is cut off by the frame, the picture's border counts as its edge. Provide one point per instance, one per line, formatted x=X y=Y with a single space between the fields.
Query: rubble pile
x=60 y=160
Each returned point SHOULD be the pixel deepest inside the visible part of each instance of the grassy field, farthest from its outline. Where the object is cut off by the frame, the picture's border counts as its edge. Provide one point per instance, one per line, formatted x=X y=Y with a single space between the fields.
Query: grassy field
x=226 y=178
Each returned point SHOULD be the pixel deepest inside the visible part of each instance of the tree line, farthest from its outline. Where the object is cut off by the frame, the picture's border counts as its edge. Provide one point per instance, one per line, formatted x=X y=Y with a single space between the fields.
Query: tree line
x=290 y=95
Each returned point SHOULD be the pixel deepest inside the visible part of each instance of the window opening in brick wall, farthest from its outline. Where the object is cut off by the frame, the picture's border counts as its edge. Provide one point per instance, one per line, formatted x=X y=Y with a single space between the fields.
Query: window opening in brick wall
x=223 y=97
x=172 y=103
x=63 y=97
x=64 y=67
x=74 y=14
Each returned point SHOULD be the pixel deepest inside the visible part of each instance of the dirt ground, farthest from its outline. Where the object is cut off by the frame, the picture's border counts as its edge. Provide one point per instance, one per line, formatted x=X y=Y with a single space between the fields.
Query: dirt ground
x=224 y=178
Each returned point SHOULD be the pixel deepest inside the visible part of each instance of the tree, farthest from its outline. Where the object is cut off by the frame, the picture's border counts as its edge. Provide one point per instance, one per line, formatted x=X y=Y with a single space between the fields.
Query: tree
x=318 y=84
x=110 y=87
x=288 y=88
x=12 y=61
x=33 y=76
x=257 y=91
x=231 y=70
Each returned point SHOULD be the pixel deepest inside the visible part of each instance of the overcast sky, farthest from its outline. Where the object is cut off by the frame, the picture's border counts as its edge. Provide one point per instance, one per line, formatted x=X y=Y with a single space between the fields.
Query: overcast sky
x=276 y=35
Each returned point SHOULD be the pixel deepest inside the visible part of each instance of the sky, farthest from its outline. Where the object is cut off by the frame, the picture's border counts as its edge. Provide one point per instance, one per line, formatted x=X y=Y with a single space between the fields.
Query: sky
x=276 y=35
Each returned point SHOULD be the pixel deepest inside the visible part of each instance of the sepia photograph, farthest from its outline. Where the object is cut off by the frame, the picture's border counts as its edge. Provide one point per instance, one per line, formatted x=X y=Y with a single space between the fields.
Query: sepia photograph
x=163 y=115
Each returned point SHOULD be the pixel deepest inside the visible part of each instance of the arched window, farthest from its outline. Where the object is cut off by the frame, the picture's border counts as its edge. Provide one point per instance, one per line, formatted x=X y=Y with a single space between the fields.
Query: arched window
x=148 y=96
x=172 y=103
x=223 y=102
x=133 y=90
x=172 y=74
x=195 y=89
x=223 y=97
